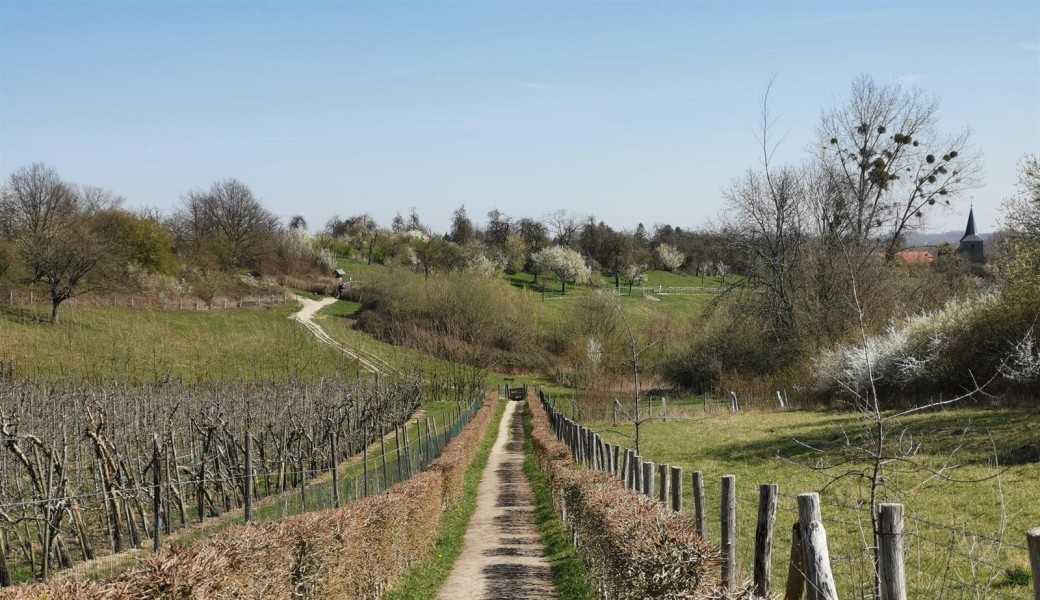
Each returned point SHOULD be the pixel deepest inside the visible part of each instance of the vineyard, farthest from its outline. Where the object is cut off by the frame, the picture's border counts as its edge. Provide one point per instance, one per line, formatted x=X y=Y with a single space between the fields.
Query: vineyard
x=89 y=472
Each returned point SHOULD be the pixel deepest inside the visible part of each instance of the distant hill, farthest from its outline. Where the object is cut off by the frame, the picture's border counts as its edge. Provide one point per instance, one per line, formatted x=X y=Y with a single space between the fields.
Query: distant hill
x=934 y=239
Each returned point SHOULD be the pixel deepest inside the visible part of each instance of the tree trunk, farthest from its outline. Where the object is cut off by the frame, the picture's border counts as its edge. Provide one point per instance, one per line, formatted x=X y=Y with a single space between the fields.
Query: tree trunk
x=55 y=302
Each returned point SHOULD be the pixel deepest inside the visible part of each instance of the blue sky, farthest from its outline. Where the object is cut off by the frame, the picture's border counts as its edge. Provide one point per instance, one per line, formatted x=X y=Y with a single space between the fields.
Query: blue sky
x=634 y=111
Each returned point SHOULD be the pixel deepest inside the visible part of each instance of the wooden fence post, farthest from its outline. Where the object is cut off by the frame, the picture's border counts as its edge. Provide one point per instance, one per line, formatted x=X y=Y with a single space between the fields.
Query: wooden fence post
x=614 y=462
x=157 y=499
x=698 y=504
x=729 y=532
x=335 y=470
x=637 y=473
x=764 y=538
x=676 y=489
x=819 y=580
x=891 y=576
x=662 y=474
x=648 y=479
x=1033 y=543
x=247 y=484
x=796 y=566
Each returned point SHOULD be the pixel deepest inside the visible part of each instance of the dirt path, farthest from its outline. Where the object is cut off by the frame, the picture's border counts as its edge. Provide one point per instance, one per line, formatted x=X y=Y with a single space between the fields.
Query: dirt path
x=306 y=316
x=503 y=556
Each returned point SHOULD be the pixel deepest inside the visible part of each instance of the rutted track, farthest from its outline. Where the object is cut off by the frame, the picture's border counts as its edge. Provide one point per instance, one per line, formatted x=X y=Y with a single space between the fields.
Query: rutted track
x=305 y=315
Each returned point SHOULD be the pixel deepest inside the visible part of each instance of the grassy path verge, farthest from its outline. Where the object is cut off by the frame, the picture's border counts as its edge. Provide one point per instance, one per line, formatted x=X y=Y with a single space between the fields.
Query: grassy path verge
x=424 y=580
x=568 y=571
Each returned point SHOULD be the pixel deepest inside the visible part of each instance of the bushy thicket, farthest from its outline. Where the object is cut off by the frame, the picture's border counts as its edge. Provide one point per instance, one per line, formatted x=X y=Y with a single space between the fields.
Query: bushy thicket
x=474 y=320
x=358 y=552
x=978 y=339
x=633 y=547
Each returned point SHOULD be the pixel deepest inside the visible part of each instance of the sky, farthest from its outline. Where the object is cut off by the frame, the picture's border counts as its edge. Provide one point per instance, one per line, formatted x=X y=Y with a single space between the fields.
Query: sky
x=635 y=112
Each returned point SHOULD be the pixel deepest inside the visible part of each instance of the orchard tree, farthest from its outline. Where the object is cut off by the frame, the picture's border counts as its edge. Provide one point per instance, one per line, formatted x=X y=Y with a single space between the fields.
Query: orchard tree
x=670 y=258
x=887 y=163
x=55 y=233
x=564 y=263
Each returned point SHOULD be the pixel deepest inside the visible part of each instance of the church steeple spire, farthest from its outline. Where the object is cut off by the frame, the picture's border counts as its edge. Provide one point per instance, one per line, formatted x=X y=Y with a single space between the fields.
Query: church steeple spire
x=970 y=229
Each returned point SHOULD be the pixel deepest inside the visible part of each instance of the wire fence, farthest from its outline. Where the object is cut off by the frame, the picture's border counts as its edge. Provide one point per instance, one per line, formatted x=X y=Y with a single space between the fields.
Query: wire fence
x=941 y=560
x=175 y=511
x=30 y=298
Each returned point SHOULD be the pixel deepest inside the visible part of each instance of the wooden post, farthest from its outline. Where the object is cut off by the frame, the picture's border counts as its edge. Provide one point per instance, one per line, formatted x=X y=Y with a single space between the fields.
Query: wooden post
x=676 y=489
x=648 y=479
x=335 y=470
x=382 y=452
x=819 y=580
x=637 y=473
x=626 y=475
x=795 y=567
x=663 y=488
x=764 y=539
x=364 y=454
x=891 y=577
x=157 y=499
x=698 y=504
x=1033 y=543
x=247 y=484
x=729 y=532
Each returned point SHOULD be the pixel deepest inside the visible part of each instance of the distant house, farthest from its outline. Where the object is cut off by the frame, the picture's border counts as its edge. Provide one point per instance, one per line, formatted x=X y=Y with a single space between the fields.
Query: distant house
x=916 y=256
x=971 y=243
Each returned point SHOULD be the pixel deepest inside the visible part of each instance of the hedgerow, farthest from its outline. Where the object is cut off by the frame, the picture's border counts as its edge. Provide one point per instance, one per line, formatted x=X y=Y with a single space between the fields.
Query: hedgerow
x=632 y=547
x=358 y=551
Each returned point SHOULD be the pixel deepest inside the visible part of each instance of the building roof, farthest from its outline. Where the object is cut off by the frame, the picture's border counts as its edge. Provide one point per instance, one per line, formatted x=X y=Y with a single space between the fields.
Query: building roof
x=915 y=257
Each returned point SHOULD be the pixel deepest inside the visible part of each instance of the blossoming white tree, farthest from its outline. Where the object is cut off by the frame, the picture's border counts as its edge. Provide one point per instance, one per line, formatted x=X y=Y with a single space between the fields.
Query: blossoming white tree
x=564 y=263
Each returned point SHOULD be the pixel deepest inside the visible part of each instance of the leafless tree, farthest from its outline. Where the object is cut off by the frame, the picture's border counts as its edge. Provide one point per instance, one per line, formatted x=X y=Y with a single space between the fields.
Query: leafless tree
x=888 y=163
x=227 y=222
x=564 y=226
x=53 y=228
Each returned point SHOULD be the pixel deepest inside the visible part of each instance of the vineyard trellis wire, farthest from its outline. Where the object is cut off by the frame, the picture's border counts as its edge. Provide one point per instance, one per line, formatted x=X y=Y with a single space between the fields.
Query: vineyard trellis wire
x=81 y=467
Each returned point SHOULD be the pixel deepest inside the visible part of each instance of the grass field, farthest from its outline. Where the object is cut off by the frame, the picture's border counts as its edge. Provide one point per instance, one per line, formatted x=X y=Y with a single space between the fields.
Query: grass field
x=142 y=345
x=952 y=520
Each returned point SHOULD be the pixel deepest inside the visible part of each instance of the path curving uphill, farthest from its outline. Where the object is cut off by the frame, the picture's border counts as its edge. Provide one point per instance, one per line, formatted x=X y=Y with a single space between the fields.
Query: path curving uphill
x=503 y=555
x=305 y=316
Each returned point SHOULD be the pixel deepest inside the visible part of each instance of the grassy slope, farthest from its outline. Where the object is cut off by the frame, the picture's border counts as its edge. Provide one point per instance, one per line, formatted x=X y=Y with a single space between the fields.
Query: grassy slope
x=761 y=448
x=146 y=345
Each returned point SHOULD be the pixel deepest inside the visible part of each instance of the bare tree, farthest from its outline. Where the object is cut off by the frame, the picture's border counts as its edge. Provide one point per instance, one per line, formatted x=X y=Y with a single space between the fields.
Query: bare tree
x=54 y=230
x=227 y=222
x=564 y=226
x=888 y=163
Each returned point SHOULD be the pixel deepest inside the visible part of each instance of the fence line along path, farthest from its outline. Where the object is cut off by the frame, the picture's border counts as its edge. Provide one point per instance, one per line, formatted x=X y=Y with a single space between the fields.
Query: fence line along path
x=503 y=555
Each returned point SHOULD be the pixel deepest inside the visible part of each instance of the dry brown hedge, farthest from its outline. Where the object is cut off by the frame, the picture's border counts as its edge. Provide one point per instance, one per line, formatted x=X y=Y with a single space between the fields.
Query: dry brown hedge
x=632 y=547
x=358 y=551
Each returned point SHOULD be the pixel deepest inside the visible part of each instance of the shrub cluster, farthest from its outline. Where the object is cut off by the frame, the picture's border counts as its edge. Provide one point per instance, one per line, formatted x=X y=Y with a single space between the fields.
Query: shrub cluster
x=633 y=547
x=359 y=551
x=977 y=339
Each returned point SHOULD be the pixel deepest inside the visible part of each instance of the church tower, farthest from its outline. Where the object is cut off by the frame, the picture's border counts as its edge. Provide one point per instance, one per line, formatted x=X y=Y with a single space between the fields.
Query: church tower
x=971 y=244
